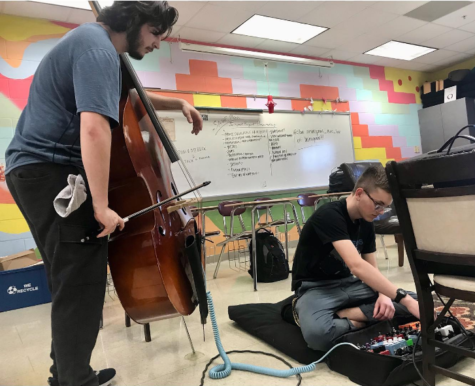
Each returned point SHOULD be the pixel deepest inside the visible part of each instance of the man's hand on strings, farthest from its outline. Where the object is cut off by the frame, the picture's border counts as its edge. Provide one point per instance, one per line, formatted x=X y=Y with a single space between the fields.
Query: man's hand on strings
x=193 y=116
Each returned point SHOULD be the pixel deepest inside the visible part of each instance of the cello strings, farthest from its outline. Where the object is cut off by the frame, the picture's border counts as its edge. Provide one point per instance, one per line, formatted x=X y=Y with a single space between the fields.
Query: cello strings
x=190 y=181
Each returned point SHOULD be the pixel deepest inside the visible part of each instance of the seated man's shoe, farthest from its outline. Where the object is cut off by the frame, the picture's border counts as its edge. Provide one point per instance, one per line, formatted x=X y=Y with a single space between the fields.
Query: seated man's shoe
x=105 y=378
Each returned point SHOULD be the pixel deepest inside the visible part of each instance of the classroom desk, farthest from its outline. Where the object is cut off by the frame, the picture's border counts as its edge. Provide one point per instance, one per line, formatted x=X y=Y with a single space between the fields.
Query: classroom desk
x=327 y=195
x=202 y=211
x=323 y=195
x=254 y=205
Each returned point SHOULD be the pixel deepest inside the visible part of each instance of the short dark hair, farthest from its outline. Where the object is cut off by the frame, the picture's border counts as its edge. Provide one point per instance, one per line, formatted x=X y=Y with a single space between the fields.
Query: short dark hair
x=121 y=16
x=372 y=178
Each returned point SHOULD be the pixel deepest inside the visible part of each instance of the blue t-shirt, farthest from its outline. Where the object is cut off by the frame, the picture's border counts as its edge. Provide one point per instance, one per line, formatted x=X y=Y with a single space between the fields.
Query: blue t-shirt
x=81 y=73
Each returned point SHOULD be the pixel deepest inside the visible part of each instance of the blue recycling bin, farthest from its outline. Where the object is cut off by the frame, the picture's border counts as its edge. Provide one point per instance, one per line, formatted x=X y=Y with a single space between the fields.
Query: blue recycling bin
x=23 y=287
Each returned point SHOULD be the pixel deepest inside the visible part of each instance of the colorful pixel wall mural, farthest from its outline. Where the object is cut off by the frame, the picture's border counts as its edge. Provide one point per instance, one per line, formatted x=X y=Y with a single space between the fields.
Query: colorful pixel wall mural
x=383 y=101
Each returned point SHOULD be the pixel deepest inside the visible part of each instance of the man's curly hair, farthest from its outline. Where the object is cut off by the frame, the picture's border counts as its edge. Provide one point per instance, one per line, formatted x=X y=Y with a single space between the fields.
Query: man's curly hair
x=123 y=16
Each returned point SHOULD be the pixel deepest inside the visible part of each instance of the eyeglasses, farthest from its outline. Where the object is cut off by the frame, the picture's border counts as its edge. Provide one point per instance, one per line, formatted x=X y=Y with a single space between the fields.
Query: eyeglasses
x=378 y=207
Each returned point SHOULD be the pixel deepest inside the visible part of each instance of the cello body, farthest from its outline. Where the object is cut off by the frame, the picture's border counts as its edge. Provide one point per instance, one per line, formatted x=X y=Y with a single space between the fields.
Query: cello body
x=147 y=259
x=156 y=262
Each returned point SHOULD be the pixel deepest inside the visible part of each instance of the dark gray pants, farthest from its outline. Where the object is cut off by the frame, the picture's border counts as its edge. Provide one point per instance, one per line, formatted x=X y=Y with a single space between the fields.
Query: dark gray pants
x=76 y=270
x=319 y=301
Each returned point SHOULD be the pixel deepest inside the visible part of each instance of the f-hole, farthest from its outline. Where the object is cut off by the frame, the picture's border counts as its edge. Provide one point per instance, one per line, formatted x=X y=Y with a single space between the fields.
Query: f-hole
x=175 y=192
x=159 y=199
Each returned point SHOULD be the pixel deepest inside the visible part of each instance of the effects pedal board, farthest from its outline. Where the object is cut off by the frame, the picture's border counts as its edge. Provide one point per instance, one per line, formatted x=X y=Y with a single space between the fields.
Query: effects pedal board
x=401 y=341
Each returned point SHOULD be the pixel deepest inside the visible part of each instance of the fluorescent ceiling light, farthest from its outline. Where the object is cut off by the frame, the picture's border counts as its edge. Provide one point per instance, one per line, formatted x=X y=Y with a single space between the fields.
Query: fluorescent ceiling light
x=253 y=55
x=278 y=29
x=398 y=50
x=74 y=4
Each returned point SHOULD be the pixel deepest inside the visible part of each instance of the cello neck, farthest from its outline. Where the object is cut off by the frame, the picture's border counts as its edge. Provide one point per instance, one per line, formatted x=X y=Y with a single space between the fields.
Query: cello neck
x=167 y=144
x=135 y=83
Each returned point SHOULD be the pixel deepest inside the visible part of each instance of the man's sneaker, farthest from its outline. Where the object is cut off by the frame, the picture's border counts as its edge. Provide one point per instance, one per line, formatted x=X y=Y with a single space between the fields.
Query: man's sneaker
x=105 y=378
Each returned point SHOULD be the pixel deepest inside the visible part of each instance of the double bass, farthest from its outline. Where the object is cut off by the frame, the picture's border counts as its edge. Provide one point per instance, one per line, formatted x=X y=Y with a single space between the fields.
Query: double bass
x=156 y=261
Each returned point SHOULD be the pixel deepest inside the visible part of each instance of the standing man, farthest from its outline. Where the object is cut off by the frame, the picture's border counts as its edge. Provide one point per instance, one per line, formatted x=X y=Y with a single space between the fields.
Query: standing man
x=335 y=275
x=66 y=129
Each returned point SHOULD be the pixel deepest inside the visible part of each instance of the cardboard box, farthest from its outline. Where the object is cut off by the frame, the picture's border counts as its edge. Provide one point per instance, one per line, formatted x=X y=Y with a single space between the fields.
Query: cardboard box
x=439 y=85
x=18 y=260
x=426 y=87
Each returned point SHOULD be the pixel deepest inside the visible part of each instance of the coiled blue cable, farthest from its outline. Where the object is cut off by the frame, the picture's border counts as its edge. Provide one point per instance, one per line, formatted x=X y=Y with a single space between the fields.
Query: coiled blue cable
x=224 y=370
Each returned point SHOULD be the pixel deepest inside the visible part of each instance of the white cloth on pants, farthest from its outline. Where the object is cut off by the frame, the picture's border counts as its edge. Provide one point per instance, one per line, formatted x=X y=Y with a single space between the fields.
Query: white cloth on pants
x=71 y=197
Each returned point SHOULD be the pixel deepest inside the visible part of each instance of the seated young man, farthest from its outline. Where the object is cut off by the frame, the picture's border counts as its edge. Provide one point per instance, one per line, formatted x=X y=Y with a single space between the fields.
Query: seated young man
x=335 y=275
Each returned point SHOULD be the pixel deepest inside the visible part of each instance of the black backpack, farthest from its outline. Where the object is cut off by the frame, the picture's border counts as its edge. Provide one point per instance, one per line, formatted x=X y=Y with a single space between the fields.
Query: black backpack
x=271 y=262
x=344 y=178
x=338 y=182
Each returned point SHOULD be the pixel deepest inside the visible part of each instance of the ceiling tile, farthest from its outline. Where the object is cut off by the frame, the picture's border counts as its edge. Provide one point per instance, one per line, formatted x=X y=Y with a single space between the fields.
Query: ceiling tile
x=339 y=54
x=413 y=66
x=276 y=46
x=175 y=31
x=398 y=7
x=448 y=38
x=434 y=10
x=219 y=18
x=331 y=13
x=366 y=20
x=458 y=18
x=80 y=16
x=304 y=49
x=437 y=68
x=78 y=4
x=38 y=10
x=253 y=6
x=464 y=46
x=435 y=57
x=282 y=10
x=455 y=58
x=424 y=33
x=396 y=27
x=200 y=35
x=363 y=43
x=366 y=59
x=428 y=67
x=240 y=41
x=385 y=62
x=404 y=64
x=470 y=27
x=187 y=9
x=331 y=38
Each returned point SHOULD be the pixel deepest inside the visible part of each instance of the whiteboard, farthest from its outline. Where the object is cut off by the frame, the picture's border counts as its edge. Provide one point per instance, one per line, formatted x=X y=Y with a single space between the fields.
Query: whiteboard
x=259 y=152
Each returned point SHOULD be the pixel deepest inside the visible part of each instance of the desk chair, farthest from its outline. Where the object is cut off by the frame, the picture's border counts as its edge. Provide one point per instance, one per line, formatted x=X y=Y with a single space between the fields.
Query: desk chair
x=435 y=200
x=272 y=222
x=304 y=200
x=231 y=212
x=206 y=235
x=388 y=224
x=195 y=214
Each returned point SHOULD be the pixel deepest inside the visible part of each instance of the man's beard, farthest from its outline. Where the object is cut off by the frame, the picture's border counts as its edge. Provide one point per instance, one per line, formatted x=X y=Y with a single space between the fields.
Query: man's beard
x=134 y=42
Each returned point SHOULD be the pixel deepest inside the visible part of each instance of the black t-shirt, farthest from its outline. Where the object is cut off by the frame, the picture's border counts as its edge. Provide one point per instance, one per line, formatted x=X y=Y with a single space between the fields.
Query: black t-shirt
x=316 y=258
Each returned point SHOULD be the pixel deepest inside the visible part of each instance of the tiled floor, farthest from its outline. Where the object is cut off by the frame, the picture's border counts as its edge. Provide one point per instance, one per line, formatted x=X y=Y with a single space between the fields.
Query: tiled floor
x=25 y=339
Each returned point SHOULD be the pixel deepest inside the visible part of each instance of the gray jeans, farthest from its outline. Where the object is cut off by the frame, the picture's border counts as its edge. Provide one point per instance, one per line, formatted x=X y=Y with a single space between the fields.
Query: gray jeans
x=319 y=301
